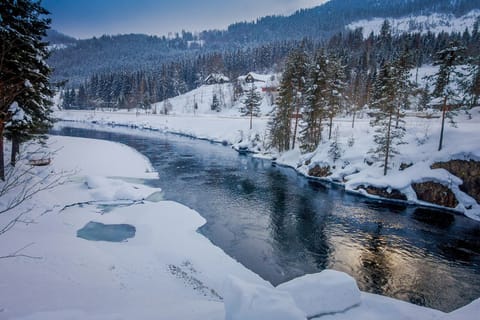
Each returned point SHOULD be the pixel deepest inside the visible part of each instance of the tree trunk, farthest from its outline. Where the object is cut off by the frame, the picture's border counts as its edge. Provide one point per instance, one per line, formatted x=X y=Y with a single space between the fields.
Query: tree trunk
x=353 y=119
x=295 y=128
x=330 y=128
x=440 y=144
x=387 y=147
x=2 y=165
x=251 y=117
x=15 y=151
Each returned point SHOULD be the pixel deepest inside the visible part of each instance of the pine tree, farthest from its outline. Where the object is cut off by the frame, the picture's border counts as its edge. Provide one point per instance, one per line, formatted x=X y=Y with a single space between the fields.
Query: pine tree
x=335 y=151
x=447 y=59
x=315 y=104
x=251 y=104
x=470 y=84
x=334 y=91
x=424 y=98
x=386 y=101
x=215 y=106
x=290 y=102
x=24 y=75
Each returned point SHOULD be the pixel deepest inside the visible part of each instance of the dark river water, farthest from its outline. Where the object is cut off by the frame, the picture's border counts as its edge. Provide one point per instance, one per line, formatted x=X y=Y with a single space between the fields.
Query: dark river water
x=282 y=225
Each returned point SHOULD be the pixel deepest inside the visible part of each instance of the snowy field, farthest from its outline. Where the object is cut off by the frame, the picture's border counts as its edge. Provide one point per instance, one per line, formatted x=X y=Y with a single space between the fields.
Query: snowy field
x=166 y=271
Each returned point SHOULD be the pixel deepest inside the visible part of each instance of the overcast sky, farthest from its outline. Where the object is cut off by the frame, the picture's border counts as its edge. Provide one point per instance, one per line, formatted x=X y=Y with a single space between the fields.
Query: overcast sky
x=88 y=18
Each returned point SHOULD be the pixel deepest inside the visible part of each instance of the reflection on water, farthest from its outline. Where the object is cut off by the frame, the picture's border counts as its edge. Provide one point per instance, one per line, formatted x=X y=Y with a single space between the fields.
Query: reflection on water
x=281 y=225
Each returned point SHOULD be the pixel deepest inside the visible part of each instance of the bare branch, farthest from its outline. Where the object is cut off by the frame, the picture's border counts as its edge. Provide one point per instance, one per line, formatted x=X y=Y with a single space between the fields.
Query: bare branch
x=17 y=253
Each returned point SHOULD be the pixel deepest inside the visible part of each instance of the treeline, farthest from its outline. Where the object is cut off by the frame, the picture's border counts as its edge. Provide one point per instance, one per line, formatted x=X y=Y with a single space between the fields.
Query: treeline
x=360 y=57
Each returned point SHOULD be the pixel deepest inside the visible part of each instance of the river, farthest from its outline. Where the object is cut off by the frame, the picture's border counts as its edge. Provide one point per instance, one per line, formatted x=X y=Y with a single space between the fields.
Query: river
x=281 y=225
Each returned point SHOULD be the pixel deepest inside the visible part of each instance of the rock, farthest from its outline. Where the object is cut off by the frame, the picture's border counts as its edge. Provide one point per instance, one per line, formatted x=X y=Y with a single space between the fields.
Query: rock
x=435 y=193
x=384 y=192
x=326 y=292
x=319 y=171
x=404 y=166
x=255 y=302
x=468 y=171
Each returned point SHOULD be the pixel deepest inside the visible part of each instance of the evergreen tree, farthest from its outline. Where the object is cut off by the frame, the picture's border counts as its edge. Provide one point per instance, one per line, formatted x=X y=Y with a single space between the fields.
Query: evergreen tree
x=424 y=98
x=315 y=105
x=215 y=106
x=335 y=151
x=470 y=84
x=447 y=59
x=387 y=100
x=290 y=102
x=251 y=104
x=24 y=75
x=334 y=91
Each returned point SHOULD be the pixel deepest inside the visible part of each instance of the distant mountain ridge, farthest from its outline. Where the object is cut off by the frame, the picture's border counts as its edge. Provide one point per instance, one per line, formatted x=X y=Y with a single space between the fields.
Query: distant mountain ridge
x=77 y=59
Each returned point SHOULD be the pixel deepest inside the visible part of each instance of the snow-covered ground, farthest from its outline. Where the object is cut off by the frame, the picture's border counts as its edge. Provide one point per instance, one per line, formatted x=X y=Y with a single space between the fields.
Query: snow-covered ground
x=435 y=23
x=166 y=271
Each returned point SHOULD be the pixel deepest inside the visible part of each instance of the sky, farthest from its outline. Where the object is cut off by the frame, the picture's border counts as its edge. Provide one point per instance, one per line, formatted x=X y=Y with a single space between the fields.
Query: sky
x=88 y=18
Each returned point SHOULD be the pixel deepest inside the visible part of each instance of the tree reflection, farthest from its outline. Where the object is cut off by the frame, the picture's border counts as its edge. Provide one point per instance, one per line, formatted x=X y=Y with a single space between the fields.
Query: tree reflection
x=374 y=261
x=311 y=231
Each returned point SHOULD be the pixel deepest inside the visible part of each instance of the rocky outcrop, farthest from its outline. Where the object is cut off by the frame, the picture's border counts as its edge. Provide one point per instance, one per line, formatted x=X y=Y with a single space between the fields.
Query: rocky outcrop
x=468 y=171
x=319 y=171
x=393 y=194
x=435 y=193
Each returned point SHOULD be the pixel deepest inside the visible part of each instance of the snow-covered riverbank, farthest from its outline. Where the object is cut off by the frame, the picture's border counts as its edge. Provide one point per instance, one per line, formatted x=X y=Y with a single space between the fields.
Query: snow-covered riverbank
x=166 y=271
x=355 y=167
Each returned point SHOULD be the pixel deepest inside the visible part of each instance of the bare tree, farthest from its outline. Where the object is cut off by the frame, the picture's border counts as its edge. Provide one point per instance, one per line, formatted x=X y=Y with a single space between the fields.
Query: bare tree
x=22 y=183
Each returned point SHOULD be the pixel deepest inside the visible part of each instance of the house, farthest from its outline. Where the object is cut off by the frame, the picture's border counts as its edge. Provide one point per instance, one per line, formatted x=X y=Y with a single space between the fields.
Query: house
x=216 y=78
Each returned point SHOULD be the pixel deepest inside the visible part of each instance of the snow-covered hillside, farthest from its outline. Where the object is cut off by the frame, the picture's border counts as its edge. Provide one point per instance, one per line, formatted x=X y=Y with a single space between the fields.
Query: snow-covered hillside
x=202 y=98
x=434 y=23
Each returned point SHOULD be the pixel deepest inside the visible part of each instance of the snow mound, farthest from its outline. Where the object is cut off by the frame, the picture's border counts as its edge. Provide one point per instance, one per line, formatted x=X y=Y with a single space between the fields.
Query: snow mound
x=469 y=312
x=105 y=189
x=256 y=302
x=329 y=291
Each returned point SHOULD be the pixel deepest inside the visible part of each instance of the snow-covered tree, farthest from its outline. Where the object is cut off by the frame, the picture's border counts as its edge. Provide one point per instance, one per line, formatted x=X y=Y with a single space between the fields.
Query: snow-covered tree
x=315 y=104
x=386 y=103
x=447 y=59
x=251 y=104
x=336 y=150
x=24 y=75
x=290 y=102
x=334 y=91
x=215 y=106
x=470 y=84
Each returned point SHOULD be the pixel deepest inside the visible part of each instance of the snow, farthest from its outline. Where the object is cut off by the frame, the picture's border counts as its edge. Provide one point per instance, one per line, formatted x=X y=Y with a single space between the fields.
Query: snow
x=167 y=271
x=326 y=292
x=256 y=302
x=97 y=157
x=435 y=23
x=470 y=311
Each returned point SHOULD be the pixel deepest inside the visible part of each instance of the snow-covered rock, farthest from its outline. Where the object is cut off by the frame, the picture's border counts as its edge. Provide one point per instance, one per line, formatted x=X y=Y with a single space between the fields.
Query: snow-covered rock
x=329 y=291
x=244 y=300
